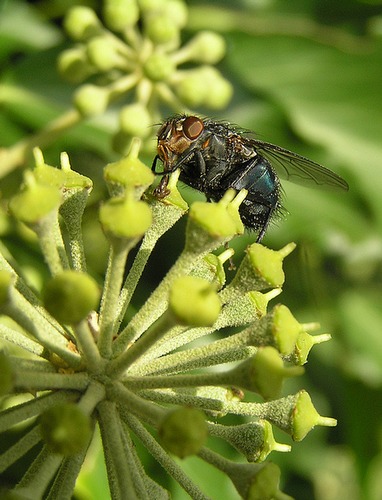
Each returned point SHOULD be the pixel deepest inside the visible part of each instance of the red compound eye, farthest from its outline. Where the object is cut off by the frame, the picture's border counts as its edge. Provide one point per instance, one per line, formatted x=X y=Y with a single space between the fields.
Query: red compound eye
x=192 y=127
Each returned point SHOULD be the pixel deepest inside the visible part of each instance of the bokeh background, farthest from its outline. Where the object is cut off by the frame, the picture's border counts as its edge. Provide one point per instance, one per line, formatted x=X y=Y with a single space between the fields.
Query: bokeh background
x=307 y=75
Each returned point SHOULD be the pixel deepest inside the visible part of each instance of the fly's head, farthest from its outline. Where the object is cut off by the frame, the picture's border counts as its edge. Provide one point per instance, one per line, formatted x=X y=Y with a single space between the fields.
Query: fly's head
x=175 y=137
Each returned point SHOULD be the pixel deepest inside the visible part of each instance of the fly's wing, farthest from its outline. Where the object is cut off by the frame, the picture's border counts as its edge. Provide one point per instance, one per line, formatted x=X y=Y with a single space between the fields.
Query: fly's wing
x=298 y=169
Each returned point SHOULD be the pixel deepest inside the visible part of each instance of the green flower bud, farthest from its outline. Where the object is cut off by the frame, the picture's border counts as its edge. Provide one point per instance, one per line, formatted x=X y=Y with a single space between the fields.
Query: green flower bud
x=219 y=94
x=264 y=373
x=161 y=29
x=158 y=67
x=206 y=47
x=304 y=344
x=285 y=329
x=65 y=428
x=183 y=431
x=261 y=300
x=128 y=172
x=35 y=201
x=103 y=53
x=218 y=219
x=125 y=218
x=63 y=178
x=6 y=374
x=6 y=281
x=260 y=269
x=265 y=484
x=120 y=14
x=177 y=11
x=191 y=89
x=91 y=100
x=73 y=65
x=194 y=301
x=296 y=415
x=135 y=120
x=305 y=417
x=81 y=23
x=70 y=296
x=254 y=440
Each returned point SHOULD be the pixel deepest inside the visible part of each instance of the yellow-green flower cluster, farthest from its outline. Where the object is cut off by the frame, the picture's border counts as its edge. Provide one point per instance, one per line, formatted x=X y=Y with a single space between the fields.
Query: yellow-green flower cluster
x=138 y=49
x=87 y=364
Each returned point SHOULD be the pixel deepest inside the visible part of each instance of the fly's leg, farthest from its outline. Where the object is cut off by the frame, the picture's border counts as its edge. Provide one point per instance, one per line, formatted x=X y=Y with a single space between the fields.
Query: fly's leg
x=161 y=191
x=265 y=224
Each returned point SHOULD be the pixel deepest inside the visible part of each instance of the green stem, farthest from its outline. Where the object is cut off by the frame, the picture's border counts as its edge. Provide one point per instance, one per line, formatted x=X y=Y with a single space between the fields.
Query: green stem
x=156 y=304
x=36 y=381
x=20 y=448
x=120 y=480
x=109 y=302
x=29 y=409
x=233 y=348
x=40 y=473
x=143 y=409
x=94 y=394
x=166 y=216
x=51 y=243
x=29 y=318
x=19 y=339
x=168 y=381
x=88 y=347
x=65 y=479
x=155 y=332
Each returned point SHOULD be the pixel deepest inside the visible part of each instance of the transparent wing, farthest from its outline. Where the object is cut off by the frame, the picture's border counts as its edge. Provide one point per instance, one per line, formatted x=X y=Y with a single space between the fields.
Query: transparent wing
x=298 y=169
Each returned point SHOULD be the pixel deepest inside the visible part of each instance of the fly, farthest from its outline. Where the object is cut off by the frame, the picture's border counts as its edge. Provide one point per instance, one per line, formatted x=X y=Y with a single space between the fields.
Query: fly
x=215 y=156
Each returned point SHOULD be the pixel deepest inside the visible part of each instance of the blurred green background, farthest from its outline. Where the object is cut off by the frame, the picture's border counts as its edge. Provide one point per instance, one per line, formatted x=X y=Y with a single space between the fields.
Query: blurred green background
x=307 y=76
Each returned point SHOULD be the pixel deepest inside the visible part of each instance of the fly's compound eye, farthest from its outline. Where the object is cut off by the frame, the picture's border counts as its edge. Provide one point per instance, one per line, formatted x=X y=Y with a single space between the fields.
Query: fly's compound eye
x=192 y=127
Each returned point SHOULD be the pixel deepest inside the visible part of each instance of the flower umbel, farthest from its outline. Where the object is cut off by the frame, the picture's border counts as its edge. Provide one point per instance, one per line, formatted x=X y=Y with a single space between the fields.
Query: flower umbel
x=82 y=367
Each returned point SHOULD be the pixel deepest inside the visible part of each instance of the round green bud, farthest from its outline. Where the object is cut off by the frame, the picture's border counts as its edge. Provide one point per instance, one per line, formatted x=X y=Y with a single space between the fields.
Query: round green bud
x=70 y=296
x=91 y=100
x=265 y=484
x=183 y=431
x=220 y=92
x=35 y=202
x=102 y=53
x=120 y=14
x=207 y=47
x=73 y=65
x=6 y=374
x=191 y=89
x=65 y=428
x=81 y=23
x=128 y=171
x=158 y=67
x=266 y=373
x=125 y=218
x=161 y=29
x=177 y=11
x=194 y=301
x=135 y=120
